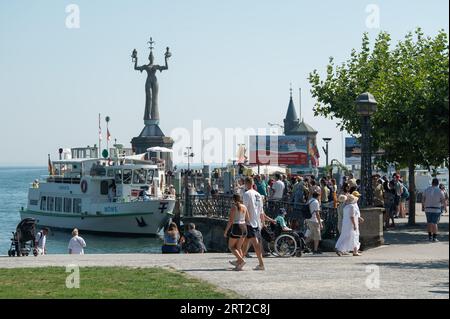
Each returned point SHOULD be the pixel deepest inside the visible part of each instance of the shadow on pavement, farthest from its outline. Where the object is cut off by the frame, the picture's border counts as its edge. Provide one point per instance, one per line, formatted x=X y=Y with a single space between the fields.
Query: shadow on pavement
x=443 y=288
x=440 y=264
x=204 y=269
x=404 y=234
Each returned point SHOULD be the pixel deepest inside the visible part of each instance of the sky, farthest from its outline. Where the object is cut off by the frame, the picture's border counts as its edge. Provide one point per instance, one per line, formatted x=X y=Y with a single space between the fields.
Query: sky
x=231 y=67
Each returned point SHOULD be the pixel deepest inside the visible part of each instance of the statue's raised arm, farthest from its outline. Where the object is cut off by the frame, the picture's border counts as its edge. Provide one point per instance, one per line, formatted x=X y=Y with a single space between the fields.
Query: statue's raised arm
x=167 y=55
x=134 y=59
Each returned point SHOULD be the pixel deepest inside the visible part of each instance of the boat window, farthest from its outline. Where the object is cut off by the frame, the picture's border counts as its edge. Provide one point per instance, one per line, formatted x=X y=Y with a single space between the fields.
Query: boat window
x=110 y=173
x=67 y=205
x=43 y=203
x=50 y=203
x=150 y=174
x=118 y=176
x=127 y=176
x=104 y=188
x=77 y=205
x=139 y=176
x=58 y=204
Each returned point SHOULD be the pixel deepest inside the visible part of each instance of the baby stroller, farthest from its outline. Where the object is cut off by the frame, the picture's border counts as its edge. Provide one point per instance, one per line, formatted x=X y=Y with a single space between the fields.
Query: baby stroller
x=23 y=240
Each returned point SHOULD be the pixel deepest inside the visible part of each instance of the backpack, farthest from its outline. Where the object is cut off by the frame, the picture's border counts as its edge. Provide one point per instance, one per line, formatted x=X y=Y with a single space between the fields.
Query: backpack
x=405 y=192
x=305 y=211
x=330 y=194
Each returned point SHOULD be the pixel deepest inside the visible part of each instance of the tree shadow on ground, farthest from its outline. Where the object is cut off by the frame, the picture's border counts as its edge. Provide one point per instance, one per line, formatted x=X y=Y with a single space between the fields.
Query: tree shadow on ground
x=404 y=234
x=439 y=264
x=443 y=288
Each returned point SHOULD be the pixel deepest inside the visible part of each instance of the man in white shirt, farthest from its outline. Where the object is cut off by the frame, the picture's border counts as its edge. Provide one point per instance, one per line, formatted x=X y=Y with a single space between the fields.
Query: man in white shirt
x=432 y=200
x=76 y=244
x=278 y=188
x=315 y=222
x=254 y=203
x=41 y=241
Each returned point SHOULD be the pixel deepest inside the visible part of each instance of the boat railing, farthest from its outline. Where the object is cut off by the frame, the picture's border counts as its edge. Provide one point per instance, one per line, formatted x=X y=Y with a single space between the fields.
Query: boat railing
x=62 y=179
x=132 y=199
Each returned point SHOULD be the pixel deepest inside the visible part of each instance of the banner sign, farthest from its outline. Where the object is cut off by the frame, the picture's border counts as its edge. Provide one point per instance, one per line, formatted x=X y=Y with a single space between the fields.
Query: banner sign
x=279 y=150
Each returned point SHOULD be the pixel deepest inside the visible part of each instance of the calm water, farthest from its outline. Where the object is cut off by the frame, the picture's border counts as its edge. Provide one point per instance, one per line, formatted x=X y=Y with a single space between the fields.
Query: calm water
x=14 y=184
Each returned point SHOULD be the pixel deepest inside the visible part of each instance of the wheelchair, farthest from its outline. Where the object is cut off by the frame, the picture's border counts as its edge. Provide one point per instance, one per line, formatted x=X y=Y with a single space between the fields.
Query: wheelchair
x=284 y=243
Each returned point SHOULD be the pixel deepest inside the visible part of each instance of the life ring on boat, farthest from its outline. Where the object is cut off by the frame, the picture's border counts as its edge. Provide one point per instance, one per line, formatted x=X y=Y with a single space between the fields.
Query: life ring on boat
x=84 y=186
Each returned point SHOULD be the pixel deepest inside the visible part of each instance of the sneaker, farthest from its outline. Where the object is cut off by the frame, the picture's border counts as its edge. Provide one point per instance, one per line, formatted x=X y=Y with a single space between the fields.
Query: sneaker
x=317 y=252
x=435 y=240
x=259 y=267
x=239 y=266
x=233 y=262
x=430 y=239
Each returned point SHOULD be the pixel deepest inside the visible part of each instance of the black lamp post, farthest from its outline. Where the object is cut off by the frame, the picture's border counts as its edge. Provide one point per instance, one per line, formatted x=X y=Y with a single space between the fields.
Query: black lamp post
x=366 y=106
x=188 y=154
x=326 y=140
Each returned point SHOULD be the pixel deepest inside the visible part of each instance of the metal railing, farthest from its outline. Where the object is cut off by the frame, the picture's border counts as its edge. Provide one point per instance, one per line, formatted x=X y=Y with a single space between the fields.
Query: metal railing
x=62 y=179
x=219 y=206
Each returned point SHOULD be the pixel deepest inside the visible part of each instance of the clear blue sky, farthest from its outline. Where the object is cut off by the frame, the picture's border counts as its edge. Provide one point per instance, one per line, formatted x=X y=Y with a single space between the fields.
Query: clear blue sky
x=231 y=66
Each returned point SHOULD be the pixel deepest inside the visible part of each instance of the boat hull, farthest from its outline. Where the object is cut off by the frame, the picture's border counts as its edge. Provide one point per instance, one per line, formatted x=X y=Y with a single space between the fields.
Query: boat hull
x=141 y=219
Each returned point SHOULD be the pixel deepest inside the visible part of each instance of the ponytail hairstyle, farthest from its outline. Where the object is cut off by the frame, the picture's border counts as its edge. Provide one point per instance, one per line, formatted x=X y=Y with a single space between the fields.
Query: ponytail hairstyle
x=237 y=199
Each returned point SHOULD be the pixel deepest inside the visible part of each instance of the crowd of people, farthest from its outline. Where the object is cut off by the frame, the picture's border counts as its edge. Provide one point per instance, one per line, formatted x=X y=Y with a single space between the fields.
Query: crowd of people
x=247 y=218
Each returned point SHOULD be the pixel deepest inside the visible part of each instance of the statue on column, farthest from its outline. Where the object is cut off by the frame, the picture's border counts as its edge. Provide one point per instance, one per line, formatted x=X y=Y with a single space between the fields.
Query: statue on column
x=151 y=85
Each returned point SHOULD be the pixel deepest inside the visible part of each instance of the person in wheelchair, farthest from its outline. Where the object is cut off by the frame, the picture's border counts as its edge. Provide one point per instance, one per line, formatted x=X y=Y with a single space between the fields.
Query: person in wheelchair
x=281 y=221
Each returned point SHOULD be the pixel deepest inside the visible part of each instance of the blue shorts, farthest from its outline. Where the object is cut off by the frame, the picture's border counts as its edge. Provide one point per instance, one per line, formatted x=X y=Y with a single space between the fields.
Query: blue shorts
x=253 y=232
x=433 y=218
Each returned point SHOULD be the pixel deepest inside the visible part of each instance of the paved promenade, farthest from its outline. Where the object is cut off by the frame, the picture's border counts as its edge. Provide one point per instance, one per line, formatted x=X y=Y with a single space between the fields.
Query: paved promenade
x=409 y=267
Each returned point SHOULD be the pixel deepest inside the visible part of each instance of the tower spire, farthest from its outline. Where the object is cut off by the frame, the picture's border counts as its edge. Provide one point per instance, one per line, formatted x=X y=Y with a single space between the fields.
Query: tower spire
x=300 y=104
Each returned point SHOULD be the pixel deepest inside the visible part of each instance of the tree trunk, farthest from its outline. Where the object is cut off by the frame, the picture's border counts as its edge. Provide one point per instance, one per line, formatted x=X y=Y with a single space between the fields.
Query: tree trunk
x=412 y=195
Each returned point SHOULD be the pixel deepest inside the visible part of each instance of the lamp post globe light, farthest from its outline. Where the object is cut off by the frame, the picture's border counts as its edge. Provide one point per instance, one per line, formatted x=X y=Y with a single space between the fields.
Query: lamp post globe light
x=366 y=107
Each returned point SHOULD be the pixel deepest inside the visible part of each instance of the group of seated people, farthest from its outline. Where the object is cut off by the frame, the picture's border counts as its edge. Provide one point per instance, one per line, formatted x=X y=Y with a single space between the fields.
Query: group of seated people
x=190 y=242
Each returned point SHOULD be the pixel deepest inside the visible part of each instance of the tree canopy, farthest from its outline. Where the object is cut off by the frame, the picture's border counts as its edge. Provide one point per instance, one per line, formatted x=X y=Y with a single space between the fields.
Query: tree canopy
x=410 y=84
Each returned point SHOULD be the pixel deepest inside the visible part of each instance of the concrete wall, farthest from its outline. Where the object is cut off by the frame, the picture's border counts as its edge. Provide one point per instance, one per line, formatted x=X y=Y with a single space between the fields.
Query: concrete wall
x=212 y=230
x=371 y=231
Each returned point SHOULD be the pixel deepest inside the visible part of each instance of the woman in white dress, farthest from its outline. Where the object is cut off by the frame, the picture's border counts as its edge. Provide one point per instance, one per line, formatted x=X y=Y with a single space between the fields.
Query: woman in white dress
x=349 y=238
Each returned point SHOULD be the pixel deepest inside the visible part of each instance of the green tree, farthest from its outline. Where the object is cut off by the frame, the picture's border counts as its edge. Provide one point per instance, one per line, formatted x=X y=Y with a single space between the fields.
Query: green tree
x=410 y=84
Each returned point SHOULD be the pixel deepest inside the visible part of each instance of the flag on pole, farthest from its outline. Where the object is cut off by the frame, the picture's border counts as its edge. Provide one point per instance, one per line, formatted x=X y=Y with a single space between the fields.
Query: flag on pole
x=108 y=136
x=99 y=128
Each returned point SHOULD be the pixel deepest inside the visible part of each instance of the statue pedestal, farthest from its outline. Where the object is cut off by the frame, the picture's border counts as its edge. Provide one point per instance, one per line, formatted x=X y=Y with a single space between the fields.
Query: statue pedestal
x=151 y=136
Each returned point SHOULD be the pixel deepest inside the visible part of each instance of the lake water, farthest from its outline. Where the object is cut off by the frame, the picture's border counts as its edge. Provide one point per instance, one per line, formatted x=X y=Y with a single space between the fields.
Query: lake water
x=14 y=184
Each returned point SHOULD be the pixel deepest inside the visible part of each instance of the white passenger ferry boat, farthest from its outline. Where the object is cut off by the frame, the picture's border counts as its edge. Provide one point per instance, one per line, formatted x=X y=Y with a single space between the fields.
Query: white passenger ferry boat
x=104 y=196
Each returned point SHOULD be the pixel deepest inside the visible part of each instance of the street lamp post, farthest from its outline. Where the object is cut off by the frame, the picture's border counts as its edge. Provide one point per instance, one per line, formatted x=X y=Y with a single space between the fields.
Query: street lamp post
x=326 y=140
x=366 y=106
x=189 y=154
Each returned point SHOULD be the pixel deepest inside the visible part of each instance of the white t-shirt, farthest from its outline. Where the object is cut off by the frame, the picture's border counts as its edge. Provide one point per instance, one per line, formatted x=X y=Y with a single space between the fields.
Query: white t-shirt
x=432 y=199
x=278 y=188
x=314 y=207
x=77 y=244
x=41 y=239
x=253 y=202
